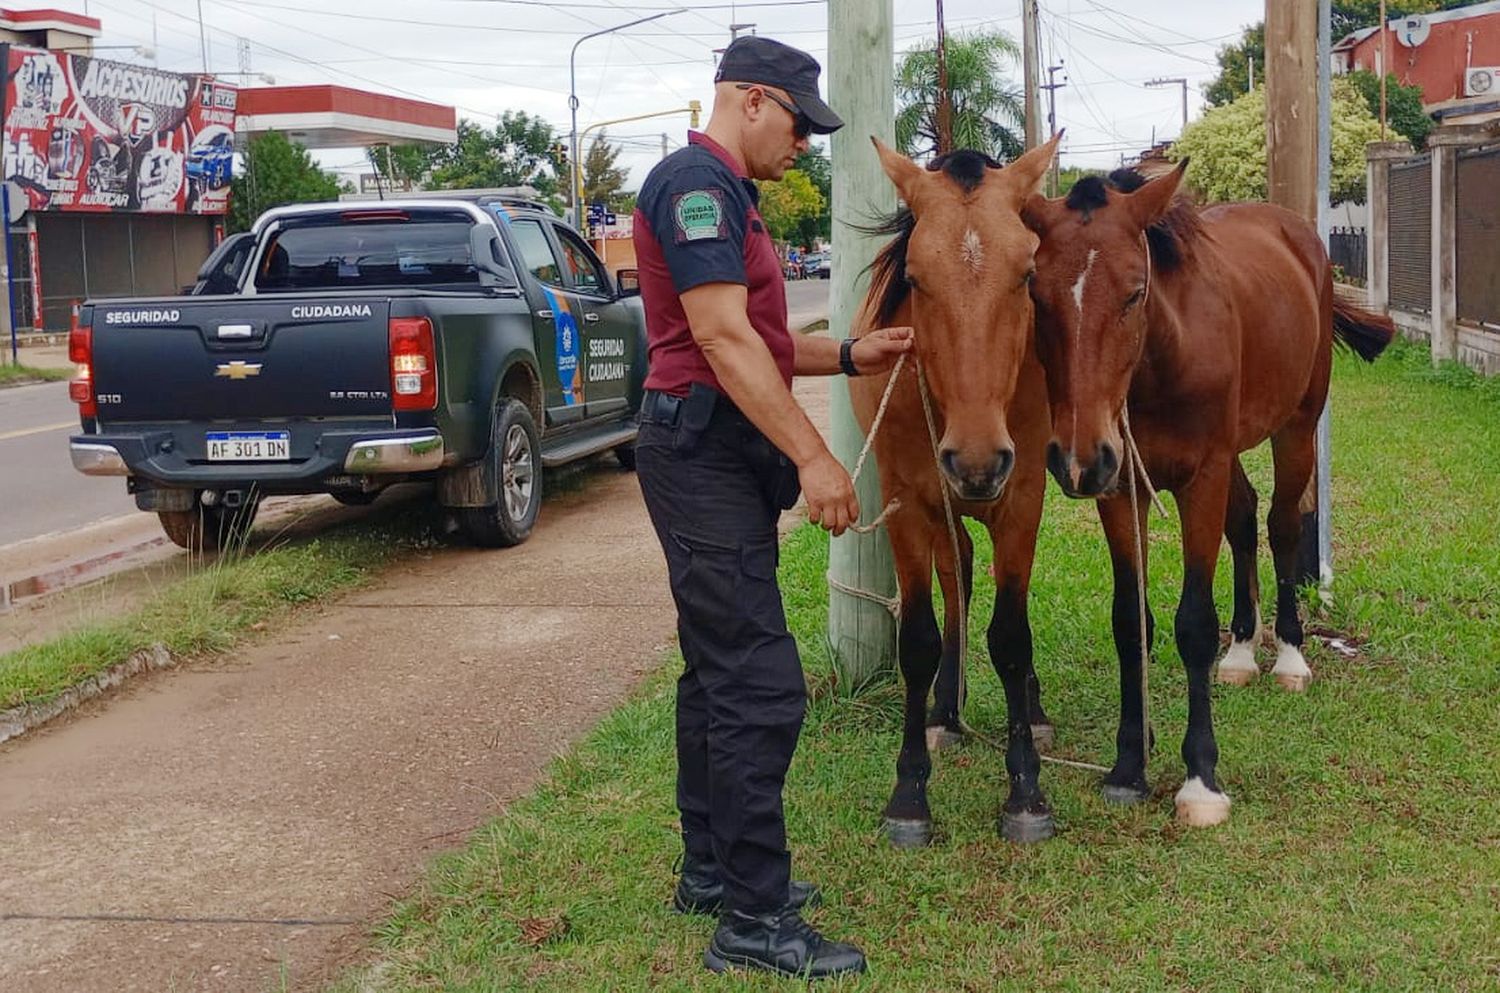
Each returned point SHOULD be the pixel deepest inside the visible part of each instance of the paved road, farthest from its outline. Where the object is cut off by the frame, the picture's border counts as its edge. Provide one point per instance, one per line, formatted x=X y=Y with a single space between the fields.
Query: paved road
x=40 y=493
x=806 y=302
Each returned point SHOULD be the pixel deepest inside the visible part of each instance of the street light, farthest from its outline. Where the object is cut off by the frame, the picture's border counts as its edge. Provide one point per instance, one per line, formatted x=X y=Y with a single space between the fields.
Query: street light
x=574 y=187
x=1175 y=81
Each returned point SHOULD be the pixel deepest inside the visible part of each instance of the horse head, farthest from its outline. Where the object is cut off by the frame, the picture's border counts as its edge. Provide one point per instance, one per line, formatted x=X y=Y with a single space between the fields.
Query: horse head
x=1093 y=278
x=964 y=258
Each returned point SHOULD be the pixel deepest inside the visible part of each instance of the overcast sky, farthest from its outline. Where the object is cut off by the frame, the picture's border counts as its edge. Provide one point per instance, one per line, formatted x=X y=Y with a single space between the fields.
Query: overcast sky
x=486 y=56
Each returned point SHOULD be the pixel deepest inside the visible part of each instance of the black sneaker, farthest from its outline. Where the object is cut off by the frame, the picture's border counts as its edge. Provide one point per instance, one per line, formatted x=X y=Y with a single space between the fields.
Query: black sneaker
x=782 y=943
x=700 y=891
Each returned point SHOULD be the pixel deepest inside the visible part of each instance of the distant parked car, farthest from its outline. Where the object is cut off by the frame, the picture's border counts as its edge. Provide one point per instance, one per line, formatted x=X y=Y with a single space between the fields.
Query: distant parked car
x=817 y=265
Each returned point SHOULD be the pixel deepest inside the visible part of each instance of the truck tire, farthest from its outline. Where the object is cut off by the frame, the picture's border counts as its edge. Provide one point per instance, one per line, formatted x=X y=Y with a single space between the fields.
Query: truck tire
x=516 y=459
x=209 y=529
x=355 y=498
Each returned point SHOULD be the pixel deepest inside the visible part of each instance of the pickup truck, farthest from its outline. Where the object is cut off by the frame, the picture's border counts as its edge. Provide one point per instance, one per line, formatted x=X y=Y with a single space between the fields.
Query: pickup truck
x=342 y=347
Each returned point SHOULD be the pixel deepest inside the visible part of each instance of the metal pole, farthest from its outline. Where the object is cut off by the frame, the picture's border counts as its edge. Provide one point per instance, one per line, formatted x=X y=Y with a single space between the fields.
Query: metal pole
x=1324 y=475
x=1030 y=59
x=1381 y=68
x=10 y=286
x=573 y=183
x=202 y=37
x=861 y=74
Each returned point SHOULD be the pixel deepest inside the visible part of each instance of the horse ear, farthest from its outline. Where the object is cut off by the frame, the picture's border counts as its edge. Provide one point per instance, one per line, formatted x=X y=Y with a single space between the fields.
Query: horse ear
x=1149 y=202
x=1039 y=213
x=903 y=172
x=1026 y=173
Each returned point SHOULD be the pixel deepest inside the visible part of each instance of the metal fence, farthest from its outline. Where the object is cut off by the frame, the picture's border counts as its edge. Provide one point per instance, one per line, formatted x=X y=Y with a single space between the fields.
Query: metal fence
x=1478 y=236
x=1347 y=249
x=1410 y=212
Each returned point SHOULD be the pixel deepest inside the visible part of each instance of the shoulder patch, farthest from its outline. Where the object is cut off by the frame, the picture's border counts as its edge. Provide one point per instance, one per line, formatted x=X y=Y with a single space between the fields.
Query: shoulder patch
x=698 y=215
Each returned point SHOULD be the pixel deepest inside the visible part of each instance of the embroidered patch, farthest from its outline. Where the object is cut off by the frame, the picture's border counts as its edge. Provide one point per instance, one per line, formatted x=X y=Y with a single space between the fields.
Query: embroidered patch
x=699 y=215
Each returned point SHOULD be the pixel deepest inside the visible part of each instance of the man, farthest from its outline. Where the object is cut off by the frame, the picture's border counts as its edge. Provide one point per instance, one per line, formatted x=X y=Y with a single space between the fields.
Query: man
x=723 y=448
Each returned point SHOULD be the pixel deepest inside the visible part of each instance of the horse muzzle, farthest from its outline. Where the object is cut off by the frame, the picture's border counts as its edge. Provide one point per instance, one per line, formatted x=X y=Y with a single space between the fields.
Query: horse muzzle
x=979 y=483
x=1095 y=478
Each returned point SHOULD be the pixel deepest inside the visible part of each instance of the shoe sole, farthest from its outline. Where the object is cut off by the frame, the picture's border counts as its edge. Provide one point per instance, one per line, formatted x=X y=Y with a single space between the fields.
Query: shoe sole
x=718 y=962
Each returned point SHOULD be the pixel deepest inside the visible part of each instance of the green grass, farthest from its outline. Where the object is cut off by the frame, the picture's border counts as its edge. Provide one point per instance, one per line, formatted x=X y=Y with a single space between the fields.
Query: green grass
x=223 y=601
x=20 y=375
x=1363 y=851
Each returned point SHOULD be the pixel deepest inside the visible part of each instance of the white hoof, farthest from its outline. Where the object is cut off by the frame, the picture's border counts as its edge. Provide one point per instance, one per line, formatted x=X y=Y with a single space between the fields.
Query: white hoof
x=940 y=738
x=1238 y=666
x=1199 y=806
x=1291 y=670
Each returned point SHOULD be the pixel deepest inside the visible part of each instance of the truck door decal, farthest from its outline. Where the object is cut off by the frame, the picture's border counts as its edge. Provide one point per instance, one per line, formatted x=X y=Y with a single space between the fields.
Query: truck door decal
x=567 y=338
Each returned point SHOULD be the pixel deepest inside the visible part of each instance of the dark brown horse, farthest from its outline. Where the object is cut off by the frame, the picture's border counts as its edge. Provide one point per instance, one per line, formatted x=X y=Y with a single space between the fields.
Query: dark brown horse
x=1212 y=330
x=957 y=272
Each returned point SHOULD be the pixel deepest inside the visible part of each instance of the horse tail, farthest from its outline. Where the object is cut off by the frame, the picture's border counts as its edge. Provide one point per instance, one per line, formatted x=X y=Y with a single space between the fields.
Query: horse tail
x=1363 y=332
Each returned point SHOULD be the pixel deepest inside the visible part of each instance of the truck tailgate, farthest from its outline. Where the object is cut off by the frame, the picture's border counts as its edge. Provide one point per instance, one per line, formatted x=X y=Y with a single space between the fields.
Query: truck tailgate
x=241 y=358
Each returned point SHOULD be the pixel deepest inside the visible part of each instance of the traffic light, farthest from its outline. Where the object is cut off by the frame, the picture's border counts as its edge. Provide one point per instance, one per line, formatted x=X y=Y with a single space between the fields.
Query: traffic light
x=560 y=154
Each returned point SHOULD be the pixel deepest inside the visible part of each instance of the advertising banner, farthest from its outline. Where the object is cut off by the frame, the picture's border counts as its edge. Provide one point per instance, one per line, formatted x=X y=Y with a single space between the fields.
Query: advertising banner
x=87 y=134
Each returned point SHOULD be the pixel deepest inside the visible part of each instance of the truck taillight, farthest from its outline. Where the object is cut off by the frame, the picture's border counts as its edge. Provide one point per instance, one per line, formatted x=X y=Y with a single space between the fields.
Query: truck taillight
x=413 y=364
x=81 y=353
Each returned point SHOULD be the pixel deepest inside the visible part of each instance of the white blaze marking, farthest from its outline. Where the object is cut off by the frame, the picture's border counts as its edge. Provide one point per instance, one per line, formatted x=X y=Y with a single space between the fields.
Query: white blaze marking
x=1289 y=661
x=1083 y=278
x=973 y=250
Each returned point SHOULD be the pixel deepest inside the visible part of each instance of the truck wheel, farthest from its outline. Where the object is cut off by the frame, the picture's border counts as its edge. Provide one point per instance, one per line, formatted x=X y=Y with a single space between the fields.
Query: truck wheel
x=209 y=529
x=355 y=498
x=516 y=459
x=626 y=456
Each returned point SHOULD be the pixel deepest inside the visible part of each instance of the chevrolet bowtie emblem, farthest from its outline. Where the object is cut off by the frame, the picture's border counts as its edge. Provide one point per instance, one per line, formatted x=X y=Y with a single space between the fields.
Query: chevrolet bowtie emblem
x=238 y=370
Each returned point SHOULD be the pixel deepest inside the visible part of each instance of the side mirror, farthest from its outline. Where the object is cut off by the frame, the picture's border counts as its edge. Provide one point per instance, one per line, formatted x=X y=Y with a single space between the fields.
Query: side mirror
x=628 y=283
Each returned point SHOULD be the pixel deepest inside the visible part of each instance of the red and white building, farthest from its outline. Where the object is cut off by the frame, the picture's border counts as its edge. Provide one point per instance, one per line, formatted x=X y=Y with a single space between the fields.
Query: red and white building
x=1452 y=55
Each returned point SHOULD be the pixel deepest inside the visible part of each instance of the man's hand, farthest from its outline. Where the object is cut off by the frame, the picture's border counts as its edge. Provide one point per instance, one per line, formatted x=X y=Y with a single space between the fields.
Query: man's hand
x=829 y=492
x=879 y=350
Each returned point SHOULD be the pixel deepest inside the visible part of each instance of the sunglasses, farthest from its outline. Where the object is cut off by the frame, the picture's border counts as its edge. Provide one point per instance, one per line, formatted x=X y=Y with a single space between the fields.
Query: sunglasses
x=801 y=123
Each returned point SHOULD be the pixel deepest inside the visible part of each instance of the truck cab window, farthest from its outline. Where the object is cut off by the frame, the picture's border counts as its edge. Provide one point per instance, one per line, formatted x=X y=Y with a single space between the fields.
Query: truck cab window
x=536 y=251
x=582 y=265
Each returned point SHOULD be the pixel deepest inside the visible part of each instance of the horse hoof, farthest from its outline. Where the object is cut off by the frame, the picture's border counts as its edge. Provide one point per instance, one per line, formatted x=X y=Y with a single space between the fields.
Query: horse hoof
x=1042 y=736
x=1124 y=796
x=1026 y=828
x=940 y=738
x=1294 y=682
x=903 y=832
x=1199 y=806
x=1238 y=677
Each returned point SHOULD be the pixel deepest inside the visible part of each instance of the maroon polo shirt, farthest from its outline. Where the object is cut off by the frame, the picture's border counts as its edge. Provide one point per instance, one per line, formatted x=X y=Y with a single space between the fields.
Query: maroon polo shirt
x=696 y=222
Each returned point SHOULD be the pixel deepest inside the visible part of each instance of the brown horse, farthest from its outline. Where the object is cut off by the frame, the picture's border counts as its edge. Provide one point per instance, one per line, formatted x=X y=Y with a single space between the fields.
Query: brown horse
x=957 y=272
x=1212 y=330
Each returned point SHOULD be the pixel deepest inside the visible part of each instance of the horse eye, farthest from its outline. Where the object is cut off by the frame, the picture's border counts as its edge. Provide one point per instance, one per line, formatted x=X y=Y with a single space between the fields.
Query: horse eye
x=1030 y=277
x=1135 y=298
x=911 y=281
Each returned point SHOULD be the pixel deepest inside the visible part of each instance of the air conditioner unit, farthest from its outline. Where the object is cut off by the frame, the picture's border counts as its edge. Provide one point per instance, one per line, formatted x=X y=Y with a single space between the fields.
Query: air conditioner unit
x=1482 y=81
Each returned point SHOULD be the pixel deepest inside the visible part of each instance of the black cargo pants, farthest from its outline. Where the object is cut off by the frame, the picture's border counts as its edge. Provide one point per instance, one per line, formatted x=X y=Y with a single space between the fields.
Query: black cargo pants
x=713 y=500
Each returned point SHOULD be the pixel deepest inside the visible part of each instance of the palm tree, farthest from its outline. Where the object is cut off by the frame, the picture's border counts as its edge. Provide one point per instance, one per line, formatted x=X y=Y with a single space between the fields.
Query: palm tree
x=988 y=109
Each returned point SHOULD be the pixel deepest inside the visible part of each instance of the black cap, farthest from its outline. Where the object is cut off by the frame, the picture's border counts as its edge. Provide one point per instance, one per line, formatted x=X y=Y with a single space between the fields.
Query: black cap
x=753 y=59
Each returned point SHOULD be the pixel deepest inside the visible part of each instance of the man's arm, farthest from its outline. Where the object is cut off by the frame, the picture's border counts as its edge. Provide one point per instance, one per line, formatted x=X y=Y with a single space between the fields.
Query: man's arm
x=818 y=355
x=744 y=367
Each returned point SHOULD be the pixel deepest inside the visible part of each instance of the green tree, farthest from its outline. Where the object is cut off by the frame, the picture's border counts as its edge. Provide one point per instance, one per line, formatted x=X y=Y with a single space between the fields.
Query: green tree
x=1234 y=67
x=277 y=172
x=989 y=112
x=603 y=179
x=401 y=165
x=1403 y=105
x=819 y=170
x=784 y=203
x=1069 y=175
x=517 y=151
x=1227 y=147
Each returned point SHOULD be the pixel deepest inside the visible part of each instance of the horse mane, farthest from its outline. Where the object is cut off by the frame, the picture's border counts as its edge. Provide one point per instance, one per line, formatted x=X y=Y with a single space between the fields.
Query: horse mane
x=965 y=167
x=1171 y=237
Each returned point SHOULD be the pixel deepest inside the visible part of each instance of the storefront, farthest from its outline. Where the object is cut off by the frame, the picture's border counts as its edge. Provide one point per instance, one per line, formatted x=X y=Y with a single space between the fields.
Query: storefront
x=123 y=172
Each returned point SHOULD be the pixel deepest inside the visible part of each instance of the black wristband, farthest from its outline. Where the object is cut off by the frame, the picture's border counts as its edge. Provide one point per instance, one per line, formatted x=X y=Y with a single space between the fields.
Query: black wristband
x=846 y=357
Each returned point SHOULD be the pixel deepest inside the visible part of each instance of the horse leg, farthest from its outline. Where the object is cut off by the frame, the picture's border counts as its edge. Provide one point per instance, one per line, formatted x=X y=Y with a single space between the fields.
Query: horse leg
x=1293 y=448
x=908 y=819
x=1025 y=817
x=1238 y=667
x=945 y=720
x=1203 y=505
x=1126 y=782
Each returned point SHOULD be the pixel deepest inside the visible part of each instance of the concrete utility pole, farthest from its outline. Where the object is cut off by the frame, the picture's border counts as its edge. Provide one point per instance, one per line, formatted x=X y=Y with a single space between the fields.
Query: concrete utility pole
x=861 y=71
x=1296 y=156
x=1175 y=81
x=1031 y=60
x=1052 y=86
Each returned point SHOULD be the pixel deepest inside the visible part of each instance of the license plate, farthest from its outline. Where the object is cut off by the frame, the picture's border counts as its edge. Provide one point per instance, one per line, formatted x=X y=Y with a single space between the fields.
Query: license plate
x=249 y=446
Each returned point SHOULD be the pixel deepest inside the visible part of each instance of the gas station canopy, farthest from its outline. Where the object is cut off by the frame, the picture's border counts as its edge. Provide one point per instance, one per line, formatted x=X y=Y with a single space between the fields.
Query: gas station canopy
x=326 y=116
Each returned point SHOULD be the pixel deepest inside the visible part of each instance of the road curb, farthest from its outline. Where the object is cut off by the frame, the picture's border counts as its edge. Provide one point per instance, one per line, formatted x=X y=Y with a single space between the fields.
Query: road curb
x=29 y=716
